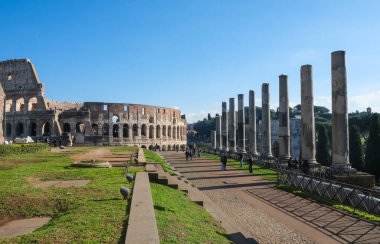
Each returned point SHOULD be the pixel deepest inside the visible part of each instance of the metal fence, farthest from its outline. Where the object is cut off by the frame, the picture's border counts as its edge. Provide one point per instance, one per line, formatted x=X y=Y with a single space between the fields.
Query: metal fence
x=359 y=198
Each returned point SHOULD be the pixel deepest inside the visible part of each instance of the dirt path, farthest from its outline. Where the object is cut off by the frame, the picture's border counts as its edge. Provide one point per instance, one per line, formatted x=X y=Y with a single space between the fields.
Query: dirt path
x=271 y=215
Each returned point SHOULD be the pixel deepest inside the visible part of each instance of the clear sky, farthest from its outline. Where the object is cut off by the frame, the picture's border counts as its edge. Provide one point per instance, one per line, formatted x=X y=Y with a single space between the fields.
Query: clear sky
x=193 y=54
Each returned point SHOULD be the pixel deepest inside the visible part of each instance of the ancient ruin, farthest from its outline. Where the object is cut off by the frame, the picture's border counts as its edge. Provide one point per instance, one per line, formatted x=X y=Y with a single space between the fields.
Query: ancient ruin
x=2 y=99
x=29 y=113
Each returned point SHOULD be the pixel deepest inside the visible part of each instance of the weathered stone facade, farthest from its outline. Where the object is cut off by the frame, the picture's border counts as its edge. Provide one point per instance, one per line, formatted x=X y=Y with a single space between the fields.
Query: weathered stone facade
x=2 y=99
x=29 y=113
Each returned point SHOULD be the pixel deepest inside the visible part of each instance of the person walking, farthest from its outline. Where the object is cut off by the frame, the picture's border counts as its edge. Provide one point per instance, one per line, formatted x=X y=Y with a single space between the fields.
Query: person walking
x=250 y=163
x=224 y=162
x=221 y=161
x=187 y=155
x=241 y=158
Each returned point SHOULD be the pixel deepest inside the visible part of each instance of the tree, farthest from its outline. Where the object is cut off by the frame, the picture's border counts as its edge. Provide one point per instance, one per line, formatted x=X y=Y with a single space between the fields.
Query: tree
x=209 y=116
x=356 y=148
x=323 y=147
x=372 y=157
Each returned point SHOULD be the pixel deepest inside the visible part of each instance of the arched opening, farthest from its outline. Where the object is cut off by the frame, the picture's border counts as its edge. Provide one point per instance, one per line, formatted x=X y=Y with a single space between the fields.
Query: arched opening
x=8 y=130
x=8 y=105
x=163 y=147
x=46 y=129
x=164 y=130
x=66 y=128
x=143 y=130
x=169 y=148
x=151 y=147
x=151 y=132
x=169 y=131
x=158 y=131
x=33 y=129
x=135 y=130
x=80 y=128
x=178 y=133
x=143 y=146
x=105 y=129
x=115 y=119
x=174 y=132
x=19 y=129
x=125 y=130
x=115 y=130
x=275 y=149
x=95 y=129
x=33 y=104
x=20 y=104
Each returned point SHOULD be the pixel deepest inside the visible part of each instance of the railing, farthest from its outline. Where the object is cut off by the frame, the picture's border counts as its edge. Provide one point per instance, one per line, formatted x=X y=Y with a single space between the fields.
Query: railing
x=358 y=197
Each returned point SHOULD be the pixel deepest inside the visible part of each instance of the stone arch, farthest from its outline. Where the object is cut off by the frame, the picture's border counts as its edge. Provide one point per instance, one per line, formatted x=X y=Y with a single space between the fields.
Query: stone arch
x=33 y=104
x=80 y=128
x=20 y=104
x=169 y=147
x=95 y=129
x=19 y=129
x=151 y=131
x=8 y=130
x=125 y=130
x=169 y=131
x=66 y=128
x=163 y=147
x=158 y=131
x=33 y=129
x=115 y=130
x=164 y=130
x=106 y=129
x=46 y=129
x=275 y=149
x=143 y=146
x=135 y=130
x=8 y=105
x=144 y=130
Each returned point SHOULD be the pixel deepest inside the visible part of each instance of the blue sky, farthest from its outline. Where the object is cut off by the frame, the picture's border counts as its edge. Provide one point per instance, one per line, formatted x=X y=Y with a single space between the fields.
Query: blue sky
x=193 y=54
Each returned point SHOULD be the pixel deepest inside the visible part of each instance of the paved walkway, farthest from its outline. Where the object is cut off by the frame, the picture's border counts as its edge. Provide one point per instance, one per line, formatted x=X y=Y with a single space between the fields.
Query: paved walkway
x=269 y=214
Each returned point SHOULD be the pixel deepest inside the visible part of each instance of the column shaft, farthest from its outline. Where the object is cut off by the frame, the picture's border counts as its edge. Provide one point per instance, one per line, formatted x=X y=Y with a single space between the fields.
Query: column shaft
x=266 y=122
x=252 y=123
x=224 y=127
x=218 y=126
x=241 y=124
x=232 y=126
x=283 y=119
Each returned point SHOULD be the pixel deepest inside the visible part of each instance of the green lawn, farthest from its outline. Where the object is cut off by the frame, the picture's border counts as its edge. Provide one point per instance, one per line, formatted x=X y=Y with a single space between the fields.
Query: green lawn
x=181 y=221
x=95 y=213
x=268 y=174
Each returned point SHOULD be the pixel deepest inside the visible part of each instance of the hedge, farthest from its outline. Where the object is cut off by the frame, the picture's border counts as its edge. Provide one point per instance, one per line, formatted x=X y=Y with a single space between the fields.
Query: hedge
x=16 y=149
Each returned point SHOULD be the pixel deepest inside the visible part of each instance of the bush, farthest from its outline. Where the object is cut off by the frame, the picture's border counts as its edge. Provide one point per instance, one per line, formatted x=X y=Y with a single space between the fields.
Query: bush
x=17 y=149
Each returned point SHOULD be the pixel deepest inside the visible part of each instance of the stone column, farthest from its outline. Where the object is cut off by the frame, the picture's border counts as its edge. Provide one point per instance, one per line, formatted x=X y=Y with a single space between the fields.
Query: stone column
x=307 y=115
x=283 y=119
x=252 y=123
x=266 y=121
x=340 y=146
x=241 y=124
x=218 y=127
x=232 y=126
x=224 y=127
x=213 y=139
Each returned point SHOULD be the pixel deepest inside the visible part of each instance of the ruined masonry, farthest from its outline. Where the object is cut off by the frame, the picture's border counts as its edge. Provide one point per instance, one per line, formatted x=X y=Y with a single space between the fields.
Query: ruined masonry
x=29 y=113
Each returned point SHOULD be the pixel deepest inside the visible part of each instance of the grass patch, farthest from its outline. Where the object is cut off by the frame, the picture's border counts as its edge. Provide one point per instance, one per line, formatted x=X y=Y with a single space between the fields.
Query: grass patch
x=94 y=213
x=151 y=156
x=331 y=203
x=267 y=174
x=181 y=221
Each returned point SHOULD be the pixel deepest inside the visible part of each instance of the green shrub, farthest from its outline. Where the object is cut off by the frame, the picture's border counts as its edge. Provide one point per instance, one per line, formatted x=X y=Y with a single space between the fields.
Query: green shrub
x=17 y=149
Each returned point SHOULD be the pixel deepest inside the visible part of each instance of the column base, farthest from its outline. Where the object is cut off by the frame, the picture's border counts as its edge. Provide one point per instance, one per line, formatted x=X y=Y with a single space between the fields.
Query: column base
x=342 y=169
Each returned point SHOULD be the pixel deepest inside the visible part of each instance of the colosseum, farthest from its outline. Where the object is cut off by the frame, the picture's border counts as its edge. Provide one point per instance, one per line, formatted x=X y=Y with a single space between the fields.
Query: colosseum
x=28 y=113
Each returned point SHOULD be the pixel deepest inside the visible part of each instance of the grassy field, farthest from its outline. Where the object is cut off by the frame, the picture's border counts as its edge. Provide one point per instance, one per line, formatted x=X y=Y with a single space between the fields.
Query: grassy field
x=267 y=174
x=181 y=221
x=95 y=213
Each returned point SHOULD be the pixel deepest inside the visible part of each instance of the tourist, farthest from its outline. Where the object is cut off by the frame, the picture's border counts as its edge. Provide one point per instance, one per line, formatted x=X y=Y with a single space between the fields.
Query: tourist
x=187 y=155
x=199 y=152
x=241 y=158
x=191 y=154
x=223 y=161
x=250 y=163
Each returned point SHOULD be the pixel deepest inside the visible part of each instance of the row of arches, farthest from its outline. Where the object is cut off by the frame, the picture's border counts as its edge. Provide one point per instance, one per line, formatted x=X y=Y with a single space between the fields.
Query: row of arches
x=20 y=130
x=21 y=104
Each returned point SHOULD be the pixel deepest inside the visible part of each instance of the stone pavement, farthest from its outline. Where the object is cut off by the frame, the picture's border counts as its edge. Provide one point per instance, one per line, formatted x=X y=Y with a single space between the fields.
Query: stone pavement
x=271 y=215
x=22 y=226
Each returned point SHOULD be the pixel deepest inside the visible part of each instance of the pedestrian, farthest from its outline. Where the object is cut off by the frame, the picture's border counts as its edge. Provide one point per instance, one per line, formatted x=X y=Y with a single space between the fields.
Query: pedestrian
x=250 y=163
x=225 y=162
x=199 y=152
x=241 y=157
x=290 y=164
x=221 y=161
x=191 y=154
x=187 y=155
x=60 y=142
